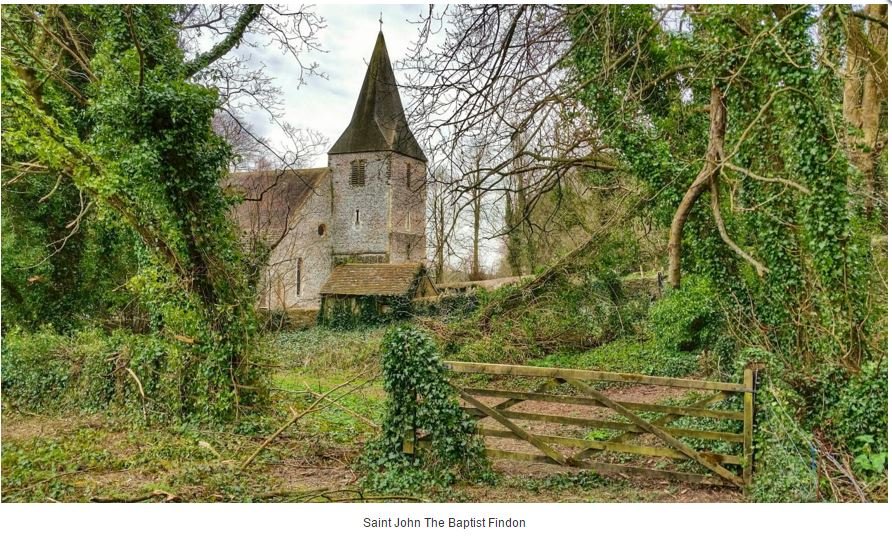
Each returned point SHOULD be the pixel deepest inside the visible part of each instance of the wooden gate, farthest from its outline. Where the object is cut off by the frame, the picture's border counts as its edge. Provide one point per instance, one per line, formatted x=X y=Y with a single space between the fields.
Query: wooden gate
x=636 y=421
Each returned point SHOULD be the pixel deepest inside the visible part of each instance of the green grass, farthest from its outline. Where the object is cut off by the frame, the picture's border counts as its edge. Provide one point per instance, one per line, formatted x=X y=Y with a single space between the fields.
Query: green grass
x=627 y=356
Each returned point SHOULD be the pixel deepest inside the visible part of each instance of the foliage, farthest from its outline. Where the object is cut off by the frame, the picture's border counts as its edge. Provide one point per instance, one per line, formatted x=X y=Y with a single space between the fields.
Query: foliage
x=628 y=356
x=347 y=313
x=815 y=269
x=785 y=455
x=139 y=376
x=320 y=350
x=589 y=302
x=783 y=194
x=686 y=319
x=420 y=401
x=867 y=459
x=53 y=276
x=858 y=408
x=122 y=124
x=451 y=306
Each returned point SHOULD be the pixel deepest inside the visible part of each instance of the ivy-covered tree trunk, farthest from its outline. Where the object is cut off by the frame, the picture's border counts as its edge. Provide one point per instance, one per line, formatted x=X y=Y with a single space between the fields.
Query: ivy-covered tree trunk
x=707 y=176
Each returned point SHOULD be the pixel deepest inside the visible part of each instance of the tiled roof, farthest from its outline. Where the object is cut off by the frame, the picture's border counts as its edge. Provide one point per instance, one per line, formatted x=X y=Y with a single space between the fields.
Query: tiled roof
x=364 y=279
x=271 y=198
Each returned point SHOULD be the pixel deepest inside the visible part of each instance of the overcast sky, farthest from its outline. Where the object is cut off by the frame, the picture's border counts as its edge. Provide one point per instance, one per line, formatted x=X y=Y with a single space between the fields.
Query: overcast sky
x=326 y=105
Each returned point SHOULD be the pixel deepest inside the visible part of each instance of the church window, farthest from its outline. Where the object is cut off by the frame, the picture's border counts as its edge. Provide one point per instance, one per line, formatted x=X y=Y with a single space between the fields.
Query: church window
x=408 y=251
x=300 y=267
x=357 y=172
x=356 y=222
x=321 y=230
x=408 y=175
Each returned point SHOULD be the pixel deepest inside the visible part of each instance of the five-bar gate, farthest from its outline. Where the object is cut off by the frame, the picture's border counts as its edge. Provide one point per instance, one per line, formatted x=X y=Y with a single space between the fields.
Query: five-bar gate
x=630 y=421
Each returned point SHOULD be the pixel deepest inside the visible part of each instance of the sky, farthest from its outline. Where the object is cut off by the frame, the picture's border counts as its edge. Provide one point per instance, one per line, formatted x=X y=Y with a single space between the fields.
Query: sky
x=326 y=104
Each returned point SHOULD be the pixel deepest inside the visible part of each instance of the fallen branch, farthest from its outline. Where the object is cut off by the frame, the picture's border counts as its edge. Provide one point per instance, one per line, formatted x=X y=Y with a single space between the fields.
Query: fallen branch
x=356 y=415
x=167 y=497
x=295 y=417
x=353 y=495
x=142 y=393
x=529 y=289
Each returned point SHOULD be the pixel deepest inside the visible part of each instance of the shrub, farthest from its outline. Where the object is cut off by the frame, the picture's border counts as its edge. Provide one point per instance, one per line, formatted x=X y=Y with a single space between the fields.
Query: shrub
x=359 y=311
x=140 y=376
x=628 y=356
x=785 y=465
x=686 y=319
x=450 y=305
x=861 y=409
x=36 y=367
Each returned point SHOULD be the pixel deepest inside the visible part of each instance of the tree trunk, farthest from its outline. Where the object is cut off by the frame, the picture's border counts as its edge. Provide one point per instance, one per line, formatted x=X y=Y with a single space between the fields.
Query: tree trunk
x=711 y=167
x=440 y=234
x=477 y=207
x=863 y=97
x=871 y=109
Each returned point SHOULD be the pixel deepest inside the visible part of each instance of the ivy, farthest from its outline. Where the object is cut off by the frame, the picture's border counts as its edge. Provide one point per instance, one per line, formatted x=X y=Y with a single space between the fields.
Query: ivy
x=420 y=402
x=133 y=139
x=347 y=313
x=783 y=95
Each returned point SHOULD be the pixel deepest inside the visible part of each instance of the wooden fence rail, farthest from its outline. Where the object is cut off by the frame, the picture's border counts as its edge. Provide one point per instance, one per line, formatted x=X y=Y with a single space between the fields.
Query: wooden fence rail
x=722 y=468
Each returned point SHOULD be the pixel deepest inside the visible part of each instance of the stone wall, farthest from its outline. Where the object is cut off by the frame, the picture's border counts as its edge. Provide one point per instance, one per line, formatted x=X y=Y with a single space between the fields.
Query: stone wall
x=304 y=246
x=372 y=200
x=408 y=210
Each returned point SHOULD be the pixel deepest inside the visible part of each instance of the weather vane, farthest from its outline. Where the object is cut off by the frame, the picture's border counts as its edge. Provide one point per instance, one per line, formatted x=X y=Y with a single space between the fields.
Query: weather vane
x=381 y=21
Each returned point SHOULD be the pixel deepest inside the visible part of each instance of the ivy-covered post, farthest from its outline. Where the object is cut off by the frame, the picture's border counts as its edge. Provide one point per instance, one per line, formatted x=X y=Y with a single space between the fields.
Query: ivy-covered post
x=419 y=398
x=748 y=415
x=751 y=373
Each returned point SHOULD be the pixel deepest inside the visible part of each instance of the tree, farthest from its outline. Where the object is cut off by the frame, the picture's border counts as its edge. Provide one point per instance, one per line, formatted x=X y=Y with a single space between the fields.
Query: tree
x=865 y=93
x=767 y=216
x=115 y=102
x=497 y=74
x=444 y=216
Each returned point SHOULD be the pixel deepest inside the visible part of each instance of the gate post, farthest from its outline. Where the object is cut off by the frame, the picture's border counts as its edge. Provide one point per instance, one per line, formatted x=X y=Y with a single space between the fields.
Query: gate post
x=748 y=417
x=409 y=442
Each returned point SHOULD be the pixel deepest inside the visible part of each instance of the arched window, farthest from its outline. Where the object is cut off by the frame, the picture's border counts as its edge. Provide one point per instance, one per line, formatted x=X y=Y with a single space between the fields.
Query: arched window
x=321 y=230
x=357 y=172
x=300 y=268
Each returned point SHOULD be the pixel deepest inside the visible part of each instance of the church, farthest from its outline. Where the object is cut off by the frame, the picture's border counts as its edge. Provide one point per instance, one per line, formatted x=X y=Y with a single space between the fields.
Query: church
x=355 y=227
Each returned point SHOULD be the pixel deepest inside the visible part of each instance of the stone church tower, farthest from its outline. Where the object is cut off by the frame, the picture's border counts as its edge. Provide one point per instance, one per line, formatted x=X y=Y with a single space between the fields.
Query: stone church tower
x=378 y=176
x=367 y=206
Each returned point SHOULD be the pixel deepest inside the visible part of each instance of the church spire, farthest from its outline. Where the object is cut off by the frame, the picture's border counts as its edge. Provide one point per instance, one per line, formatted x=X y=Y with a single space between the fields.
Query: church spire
x=379 y=121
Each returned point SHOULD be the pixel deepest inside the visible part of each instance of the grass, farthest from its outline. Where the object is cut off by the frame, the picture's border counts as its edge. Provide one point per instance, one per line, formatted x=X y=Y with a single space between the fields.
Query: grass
x=83 y=457
x=77 y=457
x=627 y=356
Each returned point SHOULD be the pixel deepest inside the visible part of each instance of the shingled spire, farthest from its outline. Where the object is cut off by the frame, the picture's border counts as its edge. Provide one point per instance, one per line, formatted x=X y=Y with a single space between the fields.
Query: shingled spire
x=379 y=122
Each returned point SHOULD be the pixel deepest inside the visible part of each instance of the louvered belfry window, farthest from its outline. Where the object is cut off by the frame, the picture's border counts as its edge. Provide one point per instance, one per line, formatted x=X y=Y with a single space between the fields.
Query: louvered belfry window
x=357 y=172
